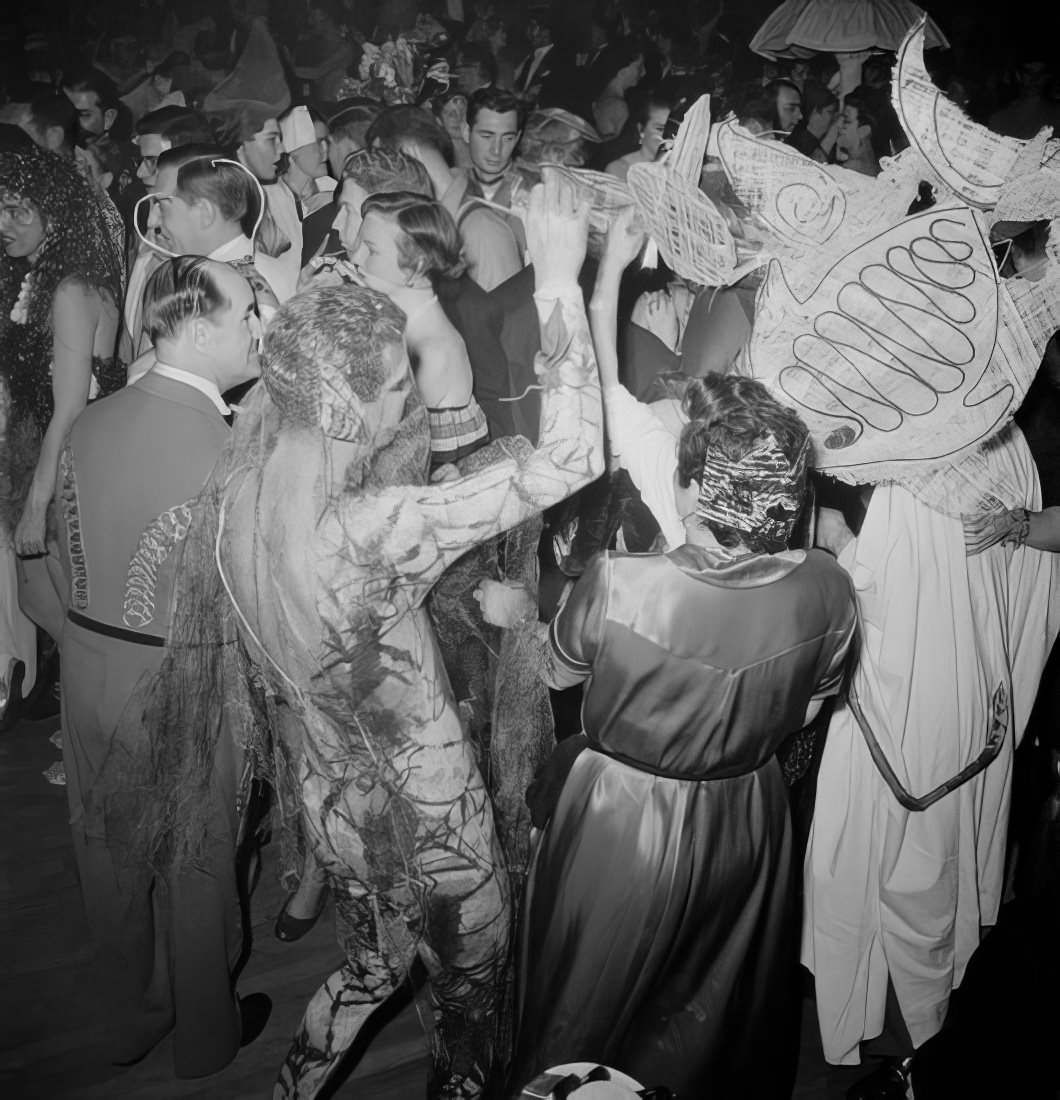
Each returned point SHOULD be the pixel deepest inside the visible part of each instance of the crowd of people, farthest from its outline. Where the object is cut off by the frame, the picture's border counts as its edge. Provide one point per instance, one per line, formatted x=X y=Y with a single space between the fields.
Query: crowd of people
x=367 y=491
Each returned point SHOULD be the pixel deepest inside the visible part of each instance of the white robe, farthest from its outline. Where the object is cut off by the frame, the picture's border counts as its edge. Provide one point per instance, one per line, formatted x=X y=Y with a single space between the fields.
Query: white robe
x=894 y=893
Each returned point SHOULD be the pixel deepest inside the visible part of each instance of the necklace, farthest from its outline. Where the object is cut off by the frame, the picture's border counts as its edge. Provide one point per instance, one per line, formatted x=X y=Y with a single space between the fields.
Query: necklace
x=20 y=310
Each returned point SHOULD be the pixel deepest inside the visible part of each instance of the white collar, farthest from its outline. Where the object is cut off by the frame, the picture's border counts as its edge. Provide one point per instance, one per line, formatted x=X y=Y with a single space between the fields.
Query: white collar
x=238 y=248
x=196 y=381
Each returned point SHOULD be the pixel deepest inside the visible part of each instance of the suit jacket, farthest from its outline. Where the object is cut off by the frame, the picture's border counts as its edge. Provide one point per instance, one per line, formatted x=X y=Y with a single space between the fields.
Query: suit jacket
x=131 y=466
x=549 y=84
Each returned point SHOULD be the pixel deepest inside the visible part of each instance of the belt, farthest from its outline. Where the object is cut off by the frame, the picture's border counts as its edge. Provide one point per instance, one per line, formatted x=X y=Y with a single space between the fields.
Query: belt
x=666 y=773
x=118 y=632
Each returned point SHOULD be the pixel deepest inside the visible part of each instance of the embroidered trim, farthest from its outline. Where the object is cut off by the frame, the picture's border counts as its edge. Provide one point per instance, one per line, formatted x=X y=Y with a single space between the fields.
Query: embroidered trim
x=72 y=516
x=158 y=539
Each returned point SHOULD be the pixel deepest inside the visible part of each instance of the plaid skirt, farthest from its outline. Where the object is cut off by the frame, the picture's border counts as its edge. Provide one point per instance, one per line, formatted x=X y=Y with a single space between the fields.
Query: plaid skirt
x=456 y=432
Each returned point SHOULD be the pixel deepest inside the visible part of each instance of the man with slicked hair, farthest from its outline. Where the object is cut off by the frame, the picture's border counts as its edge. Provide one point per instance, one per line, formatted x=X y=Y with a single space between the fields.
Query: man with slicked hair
x=129 y=475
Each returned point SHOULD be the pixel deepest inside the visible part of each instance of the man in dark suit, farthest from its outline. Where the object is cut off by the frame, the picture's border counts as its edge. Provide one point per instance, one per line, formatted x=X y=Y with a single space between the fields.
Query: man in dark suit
x=129 y=474
x=543 y=77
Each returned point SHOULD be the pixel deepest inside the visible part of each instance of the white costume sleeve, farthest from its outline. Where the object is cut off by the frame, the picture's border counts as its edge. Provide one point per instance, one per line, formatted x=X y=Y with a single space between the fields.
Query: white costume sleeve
x=645 y=447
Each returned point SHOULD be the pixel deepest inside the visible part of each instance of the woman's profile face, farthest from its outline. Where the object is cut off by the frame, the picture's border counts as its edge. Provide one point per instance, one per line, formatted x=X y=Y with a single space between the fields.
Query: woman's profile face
x=375 y=254
x=651 y=135
x=22 y=230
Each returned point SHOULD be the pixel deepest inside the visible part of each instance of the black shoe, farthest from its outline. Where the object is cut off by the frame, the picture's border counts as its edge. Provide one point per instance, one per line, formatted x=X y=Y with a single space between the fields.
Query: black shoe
x=254 y=1012
x=888 y=1081
x=11 y=709
x=290 y=928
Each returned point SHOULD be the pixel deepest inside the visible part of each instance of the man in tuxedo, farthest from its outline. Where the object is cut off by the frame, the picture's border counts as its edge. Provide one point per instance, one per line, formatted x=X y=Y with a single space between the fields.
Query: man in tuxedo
x=543 y=77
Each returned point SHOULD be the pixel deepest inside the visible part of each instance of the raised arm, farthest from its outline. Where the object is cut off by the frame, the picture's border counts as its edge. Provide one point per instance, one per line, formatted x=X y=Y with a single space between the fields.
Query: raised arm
x=637 y=439
x=431 y=526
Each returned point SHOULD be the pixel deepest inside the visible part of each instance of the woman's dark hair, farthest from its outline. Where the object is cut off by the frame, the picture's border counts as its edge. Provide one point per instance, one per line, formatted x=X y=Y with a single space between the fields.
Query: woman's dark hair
x=731 y=414
x=430 y=242
x=77 y=242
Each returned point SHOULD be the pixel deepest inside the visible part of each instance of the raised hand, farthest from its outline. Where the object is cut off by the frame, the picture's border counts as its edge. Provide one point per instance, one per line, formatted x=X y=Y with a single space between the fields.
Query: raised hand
x=625 y=239
x=557 y=232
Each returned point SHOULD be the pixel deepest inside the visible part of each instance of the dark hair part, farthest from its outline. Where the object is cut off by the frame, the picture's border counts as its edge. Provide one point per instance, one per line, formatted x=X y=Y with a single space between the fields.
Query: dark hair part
x=429 y=243
x=404 y=122
x=177 y=125
x=731 y=414
x=180 y=290
x=386 y=169
x=49 y=112
x=498 y=100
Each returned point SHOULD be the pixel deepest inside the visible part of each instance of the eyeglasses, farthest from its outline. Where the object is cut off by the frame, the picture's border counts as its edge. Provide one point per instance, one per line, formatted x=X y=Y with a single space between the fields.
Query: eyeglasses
x=21 y=212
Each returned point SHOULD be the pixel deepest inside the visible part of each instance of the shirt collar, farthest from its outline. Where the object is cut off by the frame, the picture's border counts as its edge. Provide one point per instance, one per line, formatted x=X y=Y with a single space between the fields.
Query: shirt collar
x=203 y=385
x=237 y=249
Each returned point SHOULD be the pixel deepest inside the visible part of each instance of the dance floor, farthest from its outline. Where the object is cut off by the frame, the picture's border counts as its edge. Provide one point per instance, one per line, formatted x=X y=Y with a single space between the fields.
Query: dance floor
x=49 y=1047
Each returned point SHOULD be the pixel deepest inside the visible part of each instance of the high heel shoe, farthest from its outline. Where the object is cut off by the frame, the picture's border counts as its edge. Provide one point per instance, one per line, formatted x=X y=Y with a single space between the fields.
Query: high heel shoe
x=288 y=928
x=11 y=694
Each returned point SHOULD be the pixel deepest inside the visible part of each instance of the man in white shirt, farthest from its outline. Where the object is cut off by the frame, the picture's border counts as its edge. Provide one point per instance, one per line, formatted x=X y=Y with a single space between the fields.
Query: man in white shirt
x=201 y=206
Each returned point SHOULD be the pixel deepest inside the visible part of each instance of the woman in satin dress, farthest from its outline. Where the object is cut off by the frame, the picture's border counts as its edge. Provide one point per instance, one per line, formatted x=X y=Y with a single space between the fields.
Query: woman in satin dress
x=657 y=926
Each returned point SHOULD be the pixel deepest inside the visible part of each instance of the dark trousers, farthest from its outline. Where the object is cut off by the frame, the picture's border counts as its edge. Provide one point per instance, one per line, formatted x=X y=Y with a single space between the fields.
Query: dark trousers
x=165 y=943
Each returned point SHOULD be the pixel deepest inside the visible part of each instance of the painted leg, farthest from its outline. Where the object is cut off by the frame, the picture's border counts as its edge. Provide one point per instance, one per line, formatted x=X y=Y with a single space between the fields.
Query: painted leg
x=467 y=967
x=332 y=1021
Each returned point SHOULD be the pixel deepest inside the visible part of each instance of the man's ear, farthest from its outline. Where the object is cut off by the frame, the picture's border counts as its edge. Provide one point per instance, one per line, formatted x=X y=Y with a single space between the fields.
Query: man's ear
x=465 y=132
x=200 y=334
x=109 y=118
x=241 y=156
x=106 y=180
x=205 y=213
